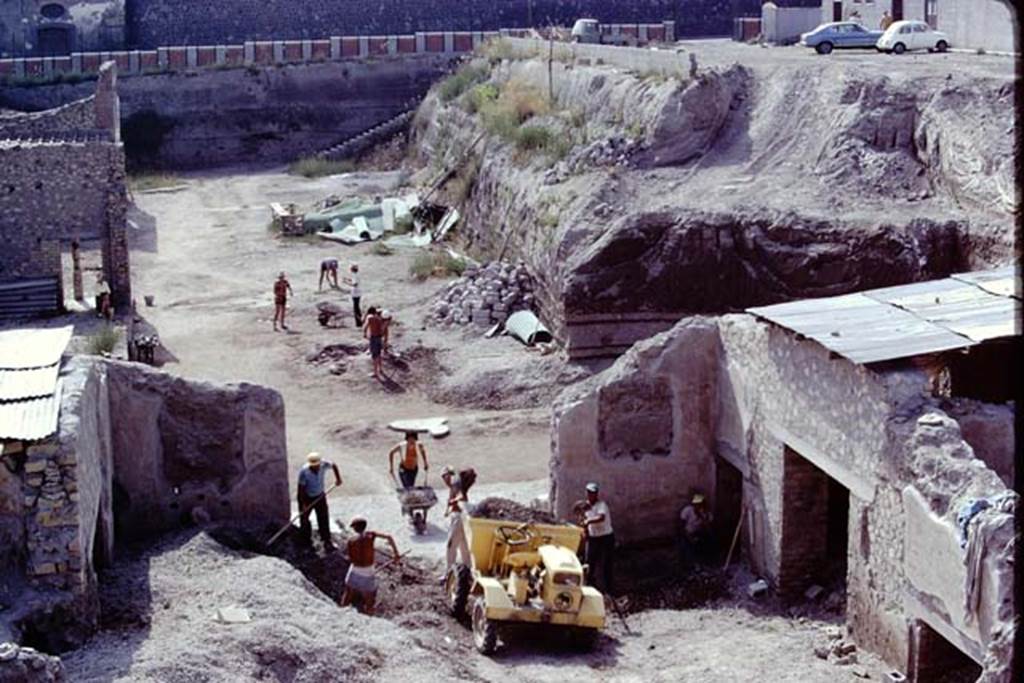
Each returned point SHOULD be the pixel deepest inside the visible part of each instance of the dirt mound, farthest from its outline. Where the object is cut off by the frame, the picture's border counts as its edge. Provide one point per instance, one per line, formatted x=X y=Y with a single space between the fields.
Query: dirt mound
x=503 y=508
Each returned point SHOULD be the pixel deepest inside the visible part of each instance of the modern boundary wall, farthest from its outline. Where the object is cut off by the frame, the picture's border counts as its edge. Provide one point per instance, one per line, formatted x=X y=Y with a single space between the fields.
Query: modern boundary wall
x=277 y=52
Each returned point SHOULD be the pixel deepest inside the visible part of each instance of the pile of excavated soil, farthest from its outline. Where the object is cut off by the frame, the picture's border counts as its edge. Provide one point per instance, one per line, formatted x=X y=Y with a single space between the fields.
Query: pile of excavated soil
x=503 y=508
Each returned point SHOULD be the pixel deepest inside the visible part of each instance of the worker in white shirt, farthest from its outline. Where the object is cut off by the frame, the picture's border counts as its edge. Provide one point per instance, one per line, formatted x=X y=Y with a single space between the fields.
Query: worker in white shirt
x=600 y=554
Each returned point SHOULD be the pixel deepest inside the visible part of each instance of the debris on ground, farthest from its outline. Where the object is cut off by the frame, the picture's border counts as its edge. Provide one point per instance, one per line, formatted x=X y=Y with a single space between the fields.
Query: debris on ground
x=503 y=508
x=26 y=664
x=485 y=295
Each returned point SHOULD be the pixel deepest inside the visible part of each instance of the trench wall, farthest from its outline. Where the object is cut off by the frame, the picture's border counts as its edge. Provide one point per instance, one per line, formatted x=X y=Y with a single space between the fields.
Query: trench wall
x=259 y=115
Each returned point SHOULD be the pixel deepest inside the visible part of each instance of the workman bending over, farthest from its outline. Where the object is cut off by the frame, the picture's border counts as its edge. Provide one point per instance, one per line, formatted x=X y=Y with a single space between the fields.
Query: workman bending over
x=408 y=466
x=597 y=521
x=311 y=496
x=360 y=581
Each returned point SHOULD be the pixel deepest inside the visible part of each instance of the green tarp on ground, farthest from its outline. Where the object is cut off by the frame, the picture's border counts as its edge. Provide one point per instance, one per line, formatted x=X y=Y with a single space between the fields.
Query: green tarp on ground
x=337 y=217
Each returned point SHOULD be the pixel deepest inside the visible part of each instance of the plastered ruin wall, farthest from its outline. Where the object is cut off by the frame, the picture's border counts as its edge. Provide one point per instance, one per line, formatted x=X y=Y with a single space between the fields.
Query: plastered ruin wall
x=643 y=431
x=128 y=436
x=193 y=450
x=181 y=22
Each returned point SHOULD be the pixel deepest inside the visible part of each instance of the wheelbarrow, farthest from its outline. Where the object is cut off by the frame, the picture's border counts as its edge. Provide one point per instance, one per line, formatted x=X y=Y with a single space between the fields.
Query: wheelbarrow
x=415 y=502
x=329 y=314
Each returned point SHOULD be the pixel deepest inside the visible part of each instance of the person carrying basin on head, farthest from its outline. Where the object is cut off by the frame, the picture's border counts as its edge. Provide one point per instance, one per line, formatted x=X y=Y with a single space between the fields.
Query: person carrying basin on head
x=408 y=466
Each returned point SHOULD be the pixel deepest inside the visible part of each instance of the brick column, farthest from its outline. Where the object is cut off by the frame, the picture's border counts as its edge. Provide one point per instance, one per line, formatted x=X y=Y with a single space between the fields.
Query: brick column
x=804 y=543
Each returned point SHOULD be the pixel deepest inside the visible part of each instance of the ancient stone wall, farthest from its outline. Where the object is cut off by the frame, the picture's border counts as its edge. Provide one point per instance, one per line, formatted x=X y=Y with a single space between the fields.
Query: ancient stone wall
x=989 y=429
x=181 y=22
x=53 y=123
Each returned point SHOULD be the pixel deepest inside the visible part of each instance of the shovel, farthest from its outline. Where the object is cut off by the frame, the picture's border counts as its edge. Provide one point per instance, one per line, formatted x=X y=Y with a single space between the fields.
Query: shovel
x=300 y=514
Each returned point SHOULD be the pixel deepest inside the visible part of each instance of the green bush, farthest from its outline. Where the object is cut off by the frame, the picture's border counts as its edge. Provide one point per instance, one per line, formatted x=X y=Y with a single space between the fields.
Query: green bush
x=477 y=98
x=315 y=167
x=533 y=138
x=104 y=341
x=461 y=81
x=441 y=264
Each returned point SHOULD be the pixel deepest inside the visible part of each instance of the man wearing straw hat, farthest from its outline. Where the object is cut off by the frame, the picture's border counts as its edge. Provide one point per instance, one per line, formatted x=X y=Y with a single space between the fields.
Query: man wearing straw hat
x=695 y=530
x=312 y=497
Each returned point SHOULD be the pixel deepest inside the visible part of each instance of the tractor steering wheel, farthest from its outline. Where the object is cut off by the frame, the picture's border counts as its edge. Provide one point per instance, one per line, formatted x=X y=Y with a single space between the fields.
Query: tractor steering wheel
x=517 y=535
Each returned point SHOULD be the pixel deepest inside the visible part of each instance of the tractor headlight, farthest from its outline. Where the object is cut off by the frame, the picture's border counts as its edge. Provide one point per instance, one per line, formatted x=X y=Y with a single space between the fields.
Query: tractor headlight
x=563 y=601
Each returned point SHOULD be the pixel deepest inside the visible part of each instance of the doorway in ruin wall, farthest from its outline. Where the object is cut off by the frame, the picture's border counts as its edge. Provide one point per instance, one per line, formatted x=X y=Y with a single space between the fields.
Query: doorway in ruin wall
x=728 y=507
x=815 y=523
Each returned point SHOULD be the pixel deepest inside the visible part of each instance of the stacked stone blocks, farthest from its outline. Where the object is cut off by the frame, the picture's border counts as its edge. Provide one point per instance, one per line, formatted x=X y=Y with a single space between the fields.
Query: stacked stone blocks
x=485 y=295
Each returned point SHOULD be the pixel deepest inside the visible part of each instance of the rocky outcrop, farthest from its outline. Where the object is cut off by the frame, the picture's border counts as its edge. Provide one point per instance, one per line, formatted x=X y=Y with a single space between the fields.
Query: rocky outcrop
x=28 y=665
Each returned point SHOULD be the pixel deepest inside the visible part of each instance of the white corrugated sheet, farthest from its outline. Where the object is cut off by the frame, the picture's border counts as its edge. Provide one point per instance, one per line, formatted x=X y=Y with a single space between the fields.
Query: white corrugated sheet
x=909 y=320
x=29 y=384
x=33 y=348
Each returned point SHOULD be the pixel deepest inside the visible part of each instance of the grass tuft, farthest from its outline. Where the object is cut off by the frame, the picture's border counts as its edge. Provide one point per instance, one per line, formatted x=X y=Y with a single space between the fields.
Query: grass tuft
x=436 y=264
x=315 y=167
x=104 y=341
x=461 y=81
x=152 y=181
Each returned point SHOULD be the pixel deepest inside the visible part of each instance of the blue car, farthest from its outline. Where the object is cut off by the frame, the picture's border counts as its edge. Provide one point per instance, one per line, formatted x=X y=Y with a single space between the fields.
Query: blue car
x=839 y=35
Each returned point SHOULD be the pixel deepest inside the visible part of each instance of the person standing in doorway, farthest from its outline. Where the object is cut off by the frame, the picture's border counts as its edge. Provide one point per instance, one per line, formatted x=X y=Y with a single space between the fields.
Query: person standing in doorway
x=600 y=554
x=312 y=497
x=282 y=288
x=695 y=531
x=357 y=293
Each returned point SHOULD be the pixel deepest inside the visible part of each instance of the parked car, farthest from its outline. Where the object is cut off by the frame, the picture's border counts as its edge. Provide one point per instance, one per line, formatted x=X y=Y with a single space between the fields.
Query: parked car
x=590 y=31
x=839 y=35
x=912 y=35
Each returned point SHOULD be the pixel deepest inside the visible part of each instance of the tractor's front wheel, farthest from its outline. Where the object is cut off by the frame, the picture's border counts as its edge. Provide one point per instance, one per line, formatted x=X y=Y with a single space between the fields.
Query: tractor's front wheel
x=485 y=631
x=457 y=583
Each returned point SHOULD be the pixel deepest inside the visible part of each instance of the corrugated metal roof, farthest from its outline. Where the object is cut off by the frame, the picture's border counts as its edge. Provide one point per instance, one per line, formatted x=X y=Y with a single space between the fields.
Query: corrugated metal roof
x=31 y=419
x=909 y=320
x=33 y=348
x=29 y=384
x=1001 y=281
x=21 y=384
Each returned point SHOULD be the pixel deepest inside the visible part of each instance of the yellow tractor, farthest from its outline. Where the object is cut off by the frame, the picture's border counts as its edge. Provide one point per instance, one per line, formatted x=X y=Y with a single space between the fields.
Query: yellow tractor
x=524 y=574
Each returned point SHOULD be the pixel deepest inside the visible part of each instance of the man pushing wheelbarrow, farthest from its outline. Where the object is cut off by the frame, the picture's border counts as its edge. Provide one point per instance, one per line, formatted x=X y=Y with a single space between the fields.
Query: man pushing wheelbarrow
x=415 y=500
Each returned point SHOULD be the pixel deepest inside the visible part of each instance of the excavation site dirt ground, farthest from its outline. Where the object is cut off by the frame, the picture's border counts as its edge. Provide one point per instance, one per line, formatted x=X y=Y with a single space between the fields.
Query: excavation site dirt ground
x=204 y=258
x=206 y=255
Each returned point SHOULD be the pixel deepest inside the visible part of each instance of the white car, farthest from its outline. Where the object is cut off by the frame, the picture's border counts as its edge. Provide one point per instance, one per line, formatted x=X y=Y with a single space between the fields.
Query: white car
x=912 y=35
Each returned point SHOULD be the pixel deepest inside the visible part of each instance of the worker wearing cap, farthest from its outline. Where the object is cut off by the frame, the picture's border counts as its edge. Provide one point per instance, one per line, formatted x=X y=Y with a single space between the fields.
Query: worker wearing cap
x=458 y=498
x=360 y=580
x=311 y=496
x=694 y=530
x=600 y=554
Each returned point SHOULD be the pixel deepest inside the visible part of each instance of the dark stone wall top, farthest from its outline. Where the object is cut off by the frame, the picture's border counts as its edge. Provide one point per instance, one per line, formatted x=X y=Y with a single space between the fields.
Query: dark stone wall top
x=153 y=23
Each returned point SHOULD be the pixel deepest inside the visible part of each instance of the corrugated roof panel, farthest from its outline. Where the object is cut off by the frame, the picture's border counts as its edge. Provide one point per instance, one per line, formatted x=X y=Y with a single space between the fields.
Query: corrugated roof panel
x=960 y=307
x=861 y=328
x=33 y=348
x=30 y=420
x=21 y=384
x=1001 y=281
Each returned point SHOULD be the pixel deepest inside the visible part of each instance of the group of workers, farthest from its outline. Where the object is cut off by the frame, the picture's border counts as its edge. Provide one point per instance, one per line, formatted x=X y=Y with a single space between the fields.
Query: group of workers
x=593 y=515
x=375 y=324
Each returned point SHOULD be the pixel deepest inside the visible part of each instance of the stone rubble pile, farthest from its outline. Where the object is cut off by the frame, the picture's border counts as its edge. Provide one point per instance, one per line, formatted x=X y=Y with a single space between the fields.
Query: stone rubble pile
x=614 y=151
x=485 y=295
x=27 y=665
